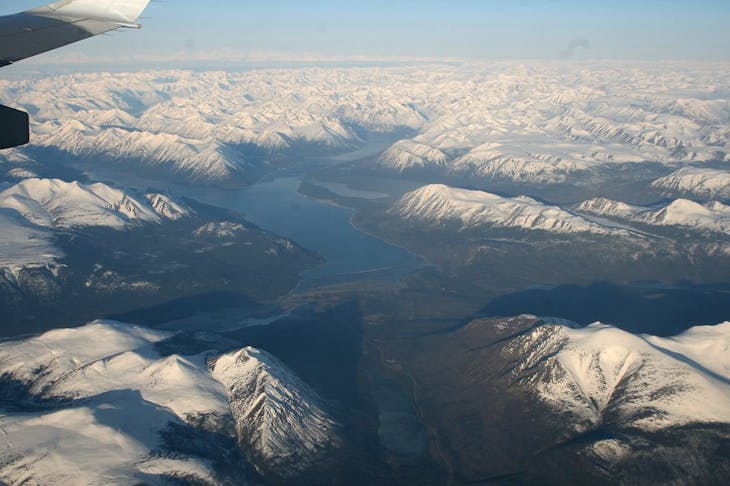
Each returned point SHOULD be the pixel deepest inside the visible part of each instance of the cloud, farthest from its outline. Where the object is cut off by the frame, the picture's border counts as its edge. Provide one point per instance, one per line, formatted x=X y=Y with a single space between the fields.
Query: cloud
x=575 y=45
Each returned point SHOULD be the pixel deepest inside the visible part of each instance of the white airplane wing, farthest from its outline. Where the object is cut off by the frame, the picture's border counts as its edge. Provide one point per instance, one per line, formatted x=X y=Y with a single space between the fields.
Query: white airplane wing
x=55 y=25
x=58 y=24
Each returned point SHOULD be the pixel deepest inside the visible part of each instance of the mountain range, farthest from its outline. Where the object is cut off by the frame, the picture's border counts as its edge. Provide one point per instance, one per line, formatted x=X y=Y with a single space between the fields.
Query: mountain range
x=537 y=124
x=121 y=412
x=127 y=410
x=438 y=204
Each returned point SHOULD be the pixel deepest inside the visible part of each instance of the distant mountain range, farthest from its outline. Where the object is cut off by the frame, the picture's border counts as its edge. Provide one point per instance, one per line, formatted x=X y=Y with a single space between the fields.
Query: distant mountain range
x=541 y=124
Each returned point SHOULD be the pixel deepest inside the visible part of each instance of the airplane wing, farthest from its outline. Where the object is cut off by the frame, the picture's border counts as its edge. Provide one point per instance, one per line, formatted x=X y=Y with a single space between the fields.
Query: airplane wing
x=55 y=25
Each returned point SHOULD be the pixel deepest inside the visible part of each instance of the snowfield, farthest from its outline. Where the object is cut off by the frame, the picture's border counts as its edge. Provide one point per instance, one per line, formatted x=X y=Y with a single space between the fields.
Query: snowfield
x=22 y=243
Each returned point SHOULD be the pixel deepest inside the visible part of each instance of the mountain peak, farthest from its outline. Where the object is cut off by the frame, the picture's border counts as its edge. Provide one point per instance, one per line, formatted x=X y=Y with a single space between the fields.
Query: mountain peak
x=281 y=420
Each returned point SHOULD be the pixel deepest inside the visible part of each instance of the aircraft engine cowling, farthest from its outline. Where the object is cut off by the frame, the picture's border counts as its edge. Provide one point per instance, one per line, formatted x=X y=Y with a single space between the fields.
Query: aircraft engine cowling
x=14 y=127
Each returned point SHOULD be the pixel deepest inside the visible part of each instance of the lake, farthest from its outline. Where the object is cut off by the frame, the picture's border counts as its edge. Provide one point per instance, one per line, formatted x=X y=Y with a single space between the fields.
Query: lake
x=276 y=205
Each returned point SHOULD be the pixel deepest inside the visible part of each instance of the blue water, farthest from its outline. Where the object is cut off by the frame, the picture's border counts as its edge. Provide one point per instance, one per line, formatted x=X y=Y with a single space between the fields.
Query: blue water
x=277 y=206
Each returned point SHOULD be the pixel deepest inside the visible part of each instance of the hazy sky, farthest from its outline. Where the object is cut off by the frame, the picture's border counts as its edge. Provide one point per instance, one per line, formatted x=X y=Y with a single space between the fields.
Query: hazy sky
x=482 y=29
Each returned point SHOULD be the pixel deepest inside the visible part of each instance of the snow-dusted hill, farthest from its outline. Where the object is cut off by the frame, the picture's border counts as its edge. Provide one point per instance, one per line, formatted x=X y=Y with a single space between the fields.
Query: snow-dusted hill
x=53 y=203
x=22 y=243
x=713 y=216
x=408 y=154
x=107 y=396
x=281 y=420
x=696 y=182
x=495 y=161
x=601 y=375
x=437 y=204
x=536 y=123
x=33 y=209
x=100 y=404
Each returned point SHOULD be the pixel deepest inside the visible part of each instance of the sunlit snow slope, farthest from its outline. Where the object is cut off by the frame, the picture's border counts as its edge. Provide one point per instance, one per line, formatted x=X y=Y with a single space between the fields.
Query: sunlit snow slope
x=98 y=405
x=603 y=375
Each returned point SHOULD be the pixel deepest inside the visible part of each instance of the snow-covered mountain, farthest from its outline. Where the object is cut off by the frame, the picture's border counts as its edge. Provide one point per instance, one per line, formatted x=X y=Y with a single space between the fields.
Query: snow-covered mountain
x=201 y=126
x=281 y=420
x=22 y=243
x=53 y=203
x=712 y=216
x=408 y=154
x=601 y=375
x=105 y=413
x=101 y=408
x=33 y=209
x=437 y=204
x=696 y=182
x=495 y=161
x=542 y=123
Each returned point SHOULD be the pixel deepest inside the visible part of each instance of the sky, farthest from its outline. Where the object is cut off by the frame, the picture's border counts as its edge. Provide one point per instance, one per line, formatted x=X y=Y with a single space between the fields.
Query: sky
x=189 y=32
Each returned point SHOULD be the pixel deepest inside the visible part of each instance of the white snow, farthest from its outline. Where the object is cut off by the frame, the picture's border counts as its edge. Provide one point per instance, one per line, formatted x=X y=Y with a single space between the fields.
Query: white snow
x=23 y=244
x=712 y=216
x=279 y=416
x=223 y=230
x=108 y=393
x=437 y=203
x=696 y=181
x=601 y=373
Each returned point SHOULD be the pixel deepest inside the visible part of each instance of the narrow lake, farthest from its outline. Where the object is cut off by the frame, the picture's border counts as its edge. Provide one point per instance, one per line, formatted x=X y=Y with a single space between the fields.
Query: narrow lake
x=276 y=205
